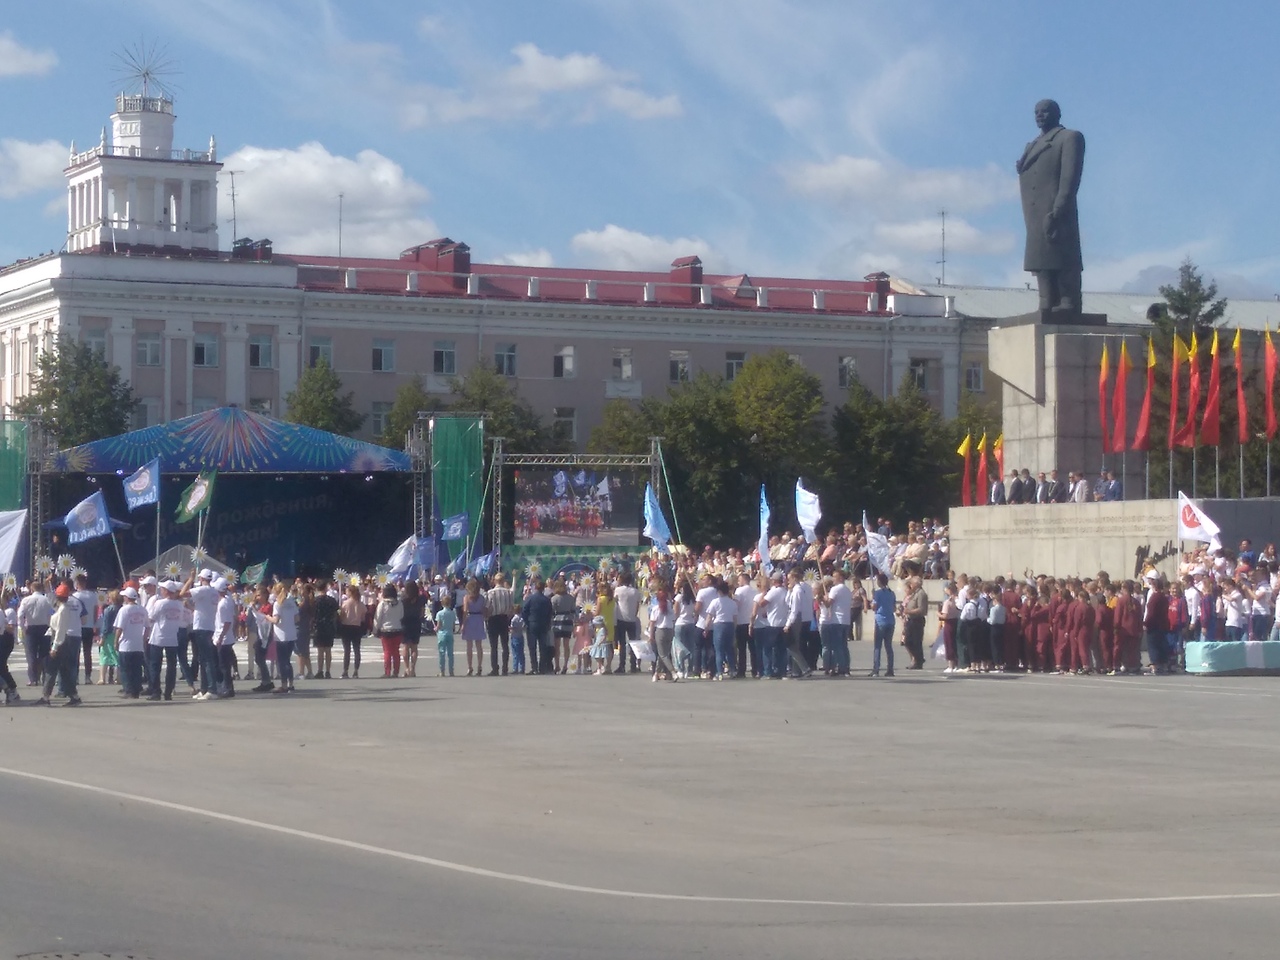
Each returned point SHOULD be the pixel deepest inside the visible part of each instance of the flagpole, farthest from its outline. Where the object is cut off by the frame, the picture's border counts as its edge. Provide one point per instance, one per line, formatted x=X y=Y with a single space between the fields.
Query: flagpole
x=1170 y=473
x=119 y=559
x=1195 y=464
x=1147 y=481
x=1268 y=468
x=159 y=492
x=1242 y=471
x=1217 y=473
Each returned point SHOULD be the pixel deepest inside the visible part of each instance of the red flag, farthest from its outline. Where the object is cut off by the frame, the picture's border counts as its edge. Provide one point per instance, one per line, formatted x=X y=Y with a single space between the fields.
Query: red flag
x=1179 y=357
x=983 y=479
x=1120 y=401
x=1270 y=366
x=1211 y=424
x=1242 y=412
x=1103 y=374
x=1142 y=437
x=966 y=489
x=1187 y=435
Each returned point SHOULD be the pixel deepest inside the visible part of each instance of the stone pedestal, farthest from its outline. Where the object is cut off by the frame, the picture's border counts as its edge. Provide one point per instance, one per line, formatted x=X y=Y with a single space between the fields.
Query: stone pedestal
x=1050 y=395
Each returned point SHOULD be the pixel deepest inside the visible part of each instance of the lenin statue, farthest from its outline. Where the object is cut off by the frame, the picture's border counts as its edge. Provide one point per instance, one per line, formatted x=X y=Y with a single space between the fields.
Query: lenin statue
x=1049 y=177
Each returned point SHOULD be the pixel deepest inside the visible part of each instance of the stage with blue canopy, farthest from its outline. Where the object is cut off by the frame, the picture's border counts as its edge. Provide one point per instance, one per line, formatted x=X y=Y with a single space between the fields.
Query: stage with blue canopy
x=300 y=498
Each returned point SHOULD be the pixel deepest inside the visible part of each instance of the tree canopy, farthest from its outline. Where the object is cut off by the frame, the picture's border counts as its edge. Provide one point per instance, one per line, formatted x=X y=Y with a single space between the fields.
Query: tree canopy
x=317 y=402
x=484 y=390
x=76 y=396
x=411 y=399
x=1191 y=305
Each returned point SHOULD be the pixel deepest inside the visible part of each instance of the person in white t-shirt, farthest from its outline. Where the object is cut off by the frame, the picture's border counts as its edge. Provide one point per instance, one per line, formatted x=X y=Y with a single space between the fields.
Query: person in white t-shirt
x=224 y=638
x=704 y=655
x=626 y=622
x=284 y=623
x=687 y=638
x=87 y=600
x=721 y=613
x=166 y=617
x=204 y=607
x=131 y=631
x=840 y=605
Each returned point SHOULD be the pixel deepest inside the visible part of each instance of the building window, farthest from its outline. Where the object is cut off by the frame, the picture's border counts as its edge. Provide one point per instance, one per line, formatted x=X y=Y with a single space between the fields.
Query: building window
x=444 y=358
x=203 y=404
x=564 y=423
x=920 y=374
x=260 y=353
x=733 y=361
x=562 y=364
x=622 y=364
x=96 y=340
x=504 y=359
x=204 y=350
x=847 y=372
x=260 y=405
x=320 y=348
x=148 y=350
x=384 y=355
x=381 y=412
x=146 y=413
x=679 y=367
x=973 y=378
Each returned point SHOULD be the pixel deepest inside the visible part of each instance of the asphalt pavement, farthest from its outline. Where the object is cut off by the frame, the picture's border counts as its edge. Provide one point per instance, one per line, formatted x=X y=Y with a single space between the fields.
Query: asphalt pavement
x=920 y=816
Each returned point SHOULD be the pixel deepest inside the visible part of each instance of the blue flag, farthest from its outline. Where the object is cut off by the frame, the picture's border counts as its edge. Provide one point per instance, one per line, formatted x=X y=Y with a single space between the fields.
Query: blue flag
x=456 y=527
x=143 y=487
x=88 y=519
x=485 y=565
x=560 y=478
x=655 y=524
x=763 y=545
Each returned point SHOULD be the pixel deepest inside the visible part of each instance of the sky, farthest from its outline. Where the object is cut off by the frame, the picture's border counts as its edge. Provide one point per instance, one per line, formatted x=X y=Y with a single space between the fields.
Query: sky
x=798 y=138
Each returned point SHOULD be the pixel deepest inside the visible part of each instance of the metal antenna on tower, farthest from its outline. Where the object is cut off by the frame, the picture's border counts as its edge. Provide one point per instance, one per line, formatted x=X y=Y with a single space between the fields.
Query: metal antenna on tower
x=148 y=68
x=942 y=280
x=234 y=235
x=340 y=196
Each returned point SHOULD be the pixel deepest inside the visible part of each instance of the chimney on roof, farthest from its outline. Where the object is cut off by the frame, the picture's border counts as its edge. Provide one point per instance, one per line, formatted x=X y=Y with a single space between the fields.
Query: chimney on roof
x=443 y=256
x=883 y=289
x=687 y=272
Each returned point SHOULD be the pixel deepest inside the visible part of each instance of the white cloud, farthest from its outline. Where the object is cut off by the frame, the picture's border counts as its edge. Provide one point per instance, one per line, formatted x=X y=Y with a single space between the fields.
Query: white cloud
x=616 y=248
x=538 y=86
x=291 y=196
x=880 y=183
x=926 y=236
x=527 y=258
x=17 y=60
x=27 y=168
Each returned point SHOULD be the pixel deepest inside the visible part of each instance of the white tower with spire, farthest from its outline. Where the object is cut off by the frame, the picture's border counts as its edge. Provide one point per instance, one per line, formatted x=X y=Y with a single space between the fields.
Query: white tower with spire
x=136 y=190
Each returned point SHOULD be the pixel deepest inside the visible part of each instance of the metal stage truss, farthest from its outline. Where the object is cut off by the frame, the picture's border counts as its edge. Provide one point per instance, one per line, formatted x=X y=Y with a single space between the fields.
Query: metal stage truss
x=502 y=459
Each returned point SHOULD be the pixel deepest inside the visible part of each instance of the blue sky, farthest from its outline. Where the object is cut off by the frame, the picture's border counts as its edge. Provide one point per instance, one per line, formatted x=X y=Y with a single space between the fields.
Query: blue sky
x=810 y=139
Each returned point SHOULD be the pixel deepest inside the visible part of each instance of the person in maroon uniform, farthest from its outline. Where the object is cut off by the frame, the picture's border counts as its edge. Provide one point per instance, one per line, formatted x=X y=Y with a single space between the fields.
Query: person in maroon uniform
x=1042 y=617
x=1086 y=624
x=1128 y=631
x=1156 y=624
x=1061 y=615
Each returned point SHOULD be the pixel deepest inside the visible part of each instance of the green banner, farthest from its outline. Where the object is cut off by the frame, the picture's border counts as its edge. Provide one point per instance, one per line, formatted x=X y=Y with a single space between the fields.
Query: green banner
x=457 y=475
x=197 y=497
x=13 y=464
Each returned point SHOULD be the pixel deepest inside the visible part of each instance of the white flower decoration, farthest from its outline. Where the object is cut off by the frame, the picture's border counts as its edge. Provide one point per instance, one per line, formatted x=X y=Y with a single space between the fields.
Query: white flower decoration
x=173 y=570
x=66 y=563
x=44 y=565
x=341 y=576
x=10 y=582
x=79 y=571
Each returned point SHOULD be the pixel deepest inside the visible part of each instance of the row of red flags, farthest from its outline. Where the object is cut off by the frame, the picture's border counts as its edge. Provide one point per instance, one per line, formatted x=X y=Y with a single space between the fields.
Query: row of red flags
x=1182 y=432
x=966 y=451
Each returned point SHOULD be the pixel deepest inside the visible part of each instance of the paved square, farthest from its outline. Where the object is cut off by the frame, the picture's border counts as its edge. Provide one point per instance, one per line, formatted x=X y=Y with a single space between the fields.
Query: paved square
x=1000 y=816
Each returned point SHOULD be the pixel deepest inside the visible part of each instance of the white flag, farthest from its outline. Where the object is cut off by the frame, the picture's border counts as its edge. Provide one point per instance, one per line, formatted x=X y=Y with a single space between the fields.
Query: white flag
x=808 y=512
x=1195 y=524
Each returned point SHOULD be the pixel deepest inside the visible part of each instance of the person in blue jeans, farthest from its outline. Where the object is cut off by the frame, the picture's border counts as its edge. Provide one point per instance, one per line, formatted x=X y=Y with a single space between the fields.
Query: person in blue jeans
x=883 y=603
x=516 y=640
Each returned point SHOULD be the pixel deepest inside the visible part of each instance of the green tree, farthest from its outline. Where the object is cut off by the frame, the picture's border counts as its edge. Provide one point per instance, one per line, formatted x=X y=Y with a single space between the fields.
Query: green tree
x=411 y=399
x=778 y=405
x=76 y=396
x=484 y=390
x=1190 y=305
x=624 y=428
x=317 y=402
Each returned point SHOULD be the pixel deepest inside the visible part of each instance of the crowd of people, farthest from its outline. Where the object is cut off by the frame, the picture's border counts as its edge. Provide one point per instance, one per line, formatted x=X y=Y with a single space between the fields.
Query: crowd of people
x=714 y=615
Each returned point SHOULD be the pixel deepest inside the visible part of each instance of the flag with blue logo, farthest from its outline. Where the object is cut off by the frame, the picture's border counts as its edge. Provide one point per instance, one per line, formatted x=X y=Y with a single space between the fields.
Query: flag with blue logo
x=485 y=565
x=580 y=479
x=763 y=544
x=561 y=481
x=655 y=524
x=143 y=487
x=456 y=527
x=88 y=519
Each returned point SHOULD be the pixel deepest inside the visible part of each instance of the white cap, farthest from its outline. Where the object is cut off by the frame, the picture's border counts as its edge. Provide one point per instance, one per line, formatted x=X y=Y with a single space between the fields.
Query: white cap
x=173 y=586
x=206 y=574
x=149 y=582
x=221 y=585
x=129 y=592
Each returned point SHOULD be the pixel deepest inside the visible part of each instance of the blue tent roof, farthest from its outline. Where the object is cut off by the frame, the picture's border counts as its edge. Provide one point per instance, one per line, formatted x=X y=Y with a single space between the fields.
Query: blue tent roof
x=230 y=440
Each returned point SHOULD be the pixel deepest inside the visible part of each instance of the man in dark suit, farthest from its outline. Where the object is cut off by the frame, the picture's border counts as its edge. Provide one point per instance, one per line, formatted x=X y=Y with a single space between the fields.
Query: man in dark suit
x=1015 y=494
x=1043 y=490
x=1058 y=489
x=1049 y=174
x=997 y=492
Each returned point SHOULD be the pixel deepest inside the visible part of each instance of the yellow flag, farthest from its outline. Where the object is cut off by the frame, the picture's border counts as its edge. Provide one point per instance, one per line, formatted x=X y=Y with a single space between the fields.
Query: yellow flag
x=965 y=447
x=1151 y=353
x=982 y=444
